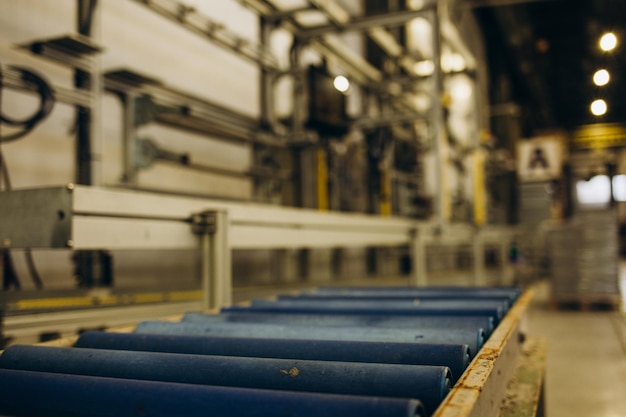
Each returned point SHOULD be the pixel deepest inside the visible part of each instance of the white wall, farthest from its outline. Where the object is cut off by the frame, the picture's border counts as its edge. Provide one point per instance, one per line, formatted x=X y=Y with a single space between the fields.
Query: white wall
x=136 y=38
x=133 y=37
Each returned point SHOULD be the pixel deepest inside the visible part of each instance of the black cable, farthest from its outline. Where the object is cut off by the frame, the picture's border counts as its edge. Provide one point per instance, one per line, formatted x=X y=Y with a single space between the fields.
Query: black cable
x=10 y=277
x=46 y=104
x=32 y=269
x=4 y=172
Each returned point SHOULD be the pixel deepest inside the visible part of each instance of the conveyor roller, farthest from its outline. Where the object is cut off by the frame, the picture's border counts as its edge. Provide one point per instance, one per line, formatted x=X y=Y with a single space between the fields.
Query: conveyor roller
x=455 y=357
x=42 y=394
x=341 y=352
x=494 y=309
x=474 y=338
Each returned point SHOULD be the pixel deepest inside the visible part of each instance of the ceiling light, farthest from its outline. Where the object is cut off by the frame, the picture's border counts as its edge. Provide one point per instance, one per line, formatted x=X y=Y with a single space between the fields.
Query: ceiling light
x=608 y=42
x=598 y=107
x=341 y=83
x=601 y=77
x=452 y=62
x=424 y=68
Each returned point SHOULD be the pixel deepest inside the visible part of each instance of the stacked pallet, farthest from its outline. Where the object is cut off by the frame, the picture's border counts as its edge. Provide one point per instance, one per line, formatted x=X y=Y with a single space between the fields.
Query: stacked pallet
x=328 y=352
x=584 y=259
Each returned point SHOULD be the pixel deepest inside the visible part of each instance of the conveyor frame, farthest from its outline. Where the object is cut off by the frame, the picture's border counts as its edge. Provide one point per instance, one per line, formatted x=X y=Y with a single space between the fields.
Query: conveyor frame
x=482 y=389
x=82 y=217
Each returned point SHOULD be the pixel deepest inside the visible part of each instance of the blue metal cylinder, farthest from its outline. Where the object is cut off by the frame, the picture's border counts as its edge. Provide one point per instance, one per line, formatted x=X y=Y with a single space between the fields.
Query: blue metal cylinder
x=391 y=322
x=429 y=384
x=425 y=308
x=511 y=293
x=364 y=296
x=38 y=394
x=473 y=338
x=456 y=357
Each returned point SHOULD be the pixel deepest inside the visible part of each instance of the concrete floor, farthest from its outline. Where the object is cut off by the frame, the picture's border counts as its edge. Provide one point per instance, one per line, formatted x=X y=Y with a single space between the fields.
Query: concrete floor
x=586 y=365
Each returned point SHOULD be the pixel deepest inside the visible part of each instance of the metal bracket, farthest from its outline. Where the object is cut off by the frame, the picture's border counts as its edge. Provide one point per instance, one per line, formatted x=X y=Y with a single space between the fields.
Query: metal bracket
x=212 y=228
x=204 y=223
x=147 y=152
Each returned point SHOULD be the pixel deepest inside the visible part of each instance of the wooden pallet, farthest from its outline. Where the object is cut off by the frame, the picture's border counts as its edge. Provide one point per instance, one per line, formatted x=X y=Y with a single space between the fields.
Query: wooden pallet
x=586 y=303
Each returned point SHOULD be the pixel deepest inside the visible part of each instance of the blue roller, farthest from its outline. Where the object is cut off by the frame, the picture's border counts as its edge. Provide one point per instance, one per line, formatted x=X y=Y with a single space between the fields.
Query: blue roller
x=391 y=296
x=425 y=308
x=456 y=357
x=429 y=384
x=473 y=338
x=38 y=394
x=398 y=322
x=512 y=293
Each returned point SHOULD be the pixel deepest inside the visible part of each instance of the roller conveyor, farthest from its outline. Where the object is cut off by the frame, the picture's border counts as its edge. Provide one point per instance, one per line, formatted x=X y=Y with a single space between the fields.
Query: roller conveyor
x=42 y=394
x=455 y=357
x=373 y=354
x=373 y=321
x=473 y=338
x=493 y=309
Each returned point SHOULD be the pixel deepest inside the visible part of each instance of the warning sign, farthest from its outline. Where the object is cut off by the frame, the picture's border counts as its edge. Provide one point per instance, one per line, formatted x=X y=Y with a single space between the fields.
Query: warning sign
x=539 y=159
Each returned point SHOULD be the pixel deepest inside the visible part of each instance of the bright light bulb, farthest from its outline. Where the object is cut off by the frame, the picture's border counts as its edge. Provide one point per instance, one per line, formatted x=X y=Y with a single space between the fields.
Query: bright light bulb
x=341 y=83
x=424 y=68
x=598 y=107
x=601 y=77
x=608 y=42
x=457 y=62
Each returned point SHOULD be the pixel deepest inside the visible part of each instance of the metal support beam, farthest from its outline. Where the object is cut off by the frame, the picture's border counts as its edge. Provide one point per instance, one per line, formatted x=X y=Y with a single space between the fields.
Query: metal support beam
x=365 y=23
x=374 y=122
x=478 y=248
x=212 y=229
x=129 y=175
x=202 y=25
x=437 y=116
x=419 y=273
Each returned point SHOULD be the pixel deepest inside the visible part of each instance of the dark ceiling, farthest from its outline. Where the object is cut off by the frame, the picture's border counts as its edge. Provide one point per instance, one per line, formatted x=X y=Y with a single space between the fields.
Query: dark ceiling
x=547 y=51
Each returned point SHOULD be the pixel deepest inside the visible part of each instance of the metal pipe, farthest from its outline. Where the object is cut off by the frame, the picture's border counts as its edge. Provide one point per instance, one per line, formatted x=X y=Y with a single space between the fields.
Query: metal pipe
x=74 y=395
x=129 y=149
x=366 y=22
x=393 y=297
x=437 y=118
x=425 y=308
x=508 y=293
x=430 y=384
x=419 y=272
x=179 y=13
x=388 y=322
x=205 y=271
x=474 y=338
x=456 y=357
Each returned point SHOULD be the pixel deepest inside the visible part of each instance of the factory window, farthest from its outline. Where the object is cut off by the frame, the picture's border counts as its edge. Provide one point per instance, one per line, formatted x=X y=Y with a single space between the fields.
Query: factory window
x=595 y=191
x=619 y=188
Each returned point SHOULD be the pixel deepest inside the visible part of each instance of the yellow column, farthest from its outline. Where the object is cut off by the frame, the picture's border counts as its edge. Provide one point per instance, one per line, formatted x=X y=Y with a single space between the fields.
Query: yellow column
x=322 y=180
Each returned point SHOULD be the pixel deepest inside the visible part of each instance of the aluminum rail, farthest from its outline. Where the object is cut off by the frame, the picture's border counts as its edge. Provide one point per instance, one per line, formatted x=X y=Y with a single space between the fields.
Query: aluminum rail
x=89 y=218
x=191 y=112
x=82 y=217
